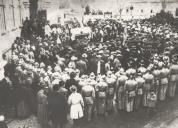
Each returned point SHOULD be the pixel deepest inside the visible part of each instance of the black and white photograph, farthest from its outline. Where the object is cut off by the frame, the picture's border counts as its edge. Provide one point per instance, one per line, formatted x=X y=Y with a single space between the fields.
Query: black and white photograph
x=88 y=63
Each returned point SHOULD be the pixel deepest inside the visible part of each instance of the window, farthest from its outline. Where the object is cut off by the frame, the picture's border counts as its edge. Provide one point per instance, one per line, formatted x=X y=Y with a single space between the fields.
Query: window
x=151 y=11
x=142 y=11
x=127 y=10
x=176 y=11
x=131 y=8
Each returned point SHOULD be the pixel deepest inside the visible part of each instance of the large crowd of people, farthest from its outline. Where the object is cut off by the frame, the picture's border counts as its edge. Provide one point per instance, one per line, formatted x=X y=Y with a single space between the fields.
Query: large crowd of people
x=124 y=65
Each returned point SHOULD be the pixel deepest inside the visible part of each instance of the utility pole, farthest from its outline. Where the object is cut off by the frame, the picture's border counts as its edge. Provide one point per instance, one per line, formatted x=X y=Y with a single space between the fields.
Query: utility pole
x=20 y=7
x=3 y=6
x=13 y=12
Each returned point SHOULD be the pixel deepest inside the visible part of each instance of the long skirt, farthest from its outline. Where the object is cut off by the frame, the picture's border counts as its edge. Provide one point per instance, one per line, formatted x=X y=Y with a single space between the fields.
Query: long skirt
x=172 y=88
x=129 y=102
x=101 y=106
x=76 y=111
x=23 y=110
x=162 y=92
x=138 y=100
x=109 y=103
x=145 y=101
x=42 y=115
x=121 y=100
x=88 y=111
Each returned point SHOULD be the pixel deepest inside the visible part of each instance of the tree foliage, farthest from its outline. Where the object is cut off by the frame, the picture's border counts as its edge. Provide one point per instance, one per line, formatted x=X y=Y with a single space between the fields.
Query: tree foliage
x=163 y=18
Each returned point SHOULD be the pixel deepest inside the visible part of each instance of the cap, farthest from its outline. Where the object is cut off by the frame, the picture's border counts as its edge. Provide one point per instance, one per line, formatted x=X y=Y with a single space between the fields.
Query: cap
x=73 y=58
x=42 y=65
x=84 y=55
x=92 y=75
x=2 y=118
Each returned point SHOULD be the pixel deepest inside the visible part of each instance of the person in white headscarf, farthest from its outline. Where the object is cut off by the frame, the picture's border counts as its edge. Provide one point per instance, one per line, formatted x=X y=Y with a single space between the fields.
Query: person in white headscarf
x=76 y=104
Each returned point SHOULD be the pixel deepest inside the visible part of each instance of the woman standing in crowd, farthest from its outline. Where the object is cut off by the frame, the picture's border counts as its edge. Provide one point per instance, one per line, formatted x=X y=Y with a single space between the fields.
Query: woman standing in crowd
x=76 y=104
x=88 y=93
x=110 y=80
x=149 y=83
x=101 y=90
x=173 y=78
x=139 y=92
x=42 y=112
x=130 y=90
x=120 y=91
x=163 y=81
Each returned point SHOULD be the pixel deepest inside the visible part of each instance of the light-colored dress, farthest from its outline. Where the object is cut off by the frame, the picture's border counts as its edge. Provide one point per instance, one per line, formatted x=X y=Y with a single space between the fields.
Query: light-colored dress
x=75 y=100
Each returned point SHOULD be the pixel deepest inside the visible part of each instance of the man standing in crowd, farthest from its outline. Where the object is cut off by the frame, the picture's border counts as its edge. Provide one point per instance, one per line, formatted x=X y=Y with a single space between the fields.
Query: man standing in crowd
x=71 y=82
x=88 y=93
x=57 y=107
x=99 y=66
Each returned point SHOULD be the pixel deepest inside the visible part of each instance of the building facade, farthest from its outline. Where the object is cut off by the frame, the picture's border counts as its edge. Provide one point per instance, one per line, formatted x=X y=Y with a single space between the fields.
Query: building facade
x=12 y=14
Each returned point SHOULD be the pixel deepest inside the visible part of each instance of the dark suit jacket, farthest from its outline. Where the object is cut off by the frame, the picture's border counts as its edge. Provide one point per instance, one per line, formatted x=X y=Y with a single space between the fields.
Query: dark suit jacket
x=82 y=66
x=71 y=82
x=57 y=107
x=95 y=66
x=3 y=125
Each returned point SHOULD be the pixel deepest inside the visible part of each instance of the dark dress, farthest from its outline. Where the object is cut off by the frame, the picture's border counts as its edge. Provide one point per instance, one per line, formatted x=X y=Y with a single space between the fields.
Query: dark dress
x=3 y=125
x=57 y=108
x=42 y=109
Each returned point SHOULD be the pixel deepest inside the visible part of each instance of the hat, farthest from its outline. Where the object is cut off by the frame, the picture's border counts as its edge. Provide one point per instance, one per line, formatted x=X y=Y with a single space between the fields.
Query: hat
x=56 y=75
x=92 y=75
x=109 y=73
x=160 y=64
x=2 y=118
x=132 y=71
x=55 y=81
x=84 y=55
x=73 y=88
x=42 y=65
x=21 y=61
x=49 y=68
x=57 y=69
x=165 y=58
x=74 y=58
x=98 y=56
x=36 y=64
